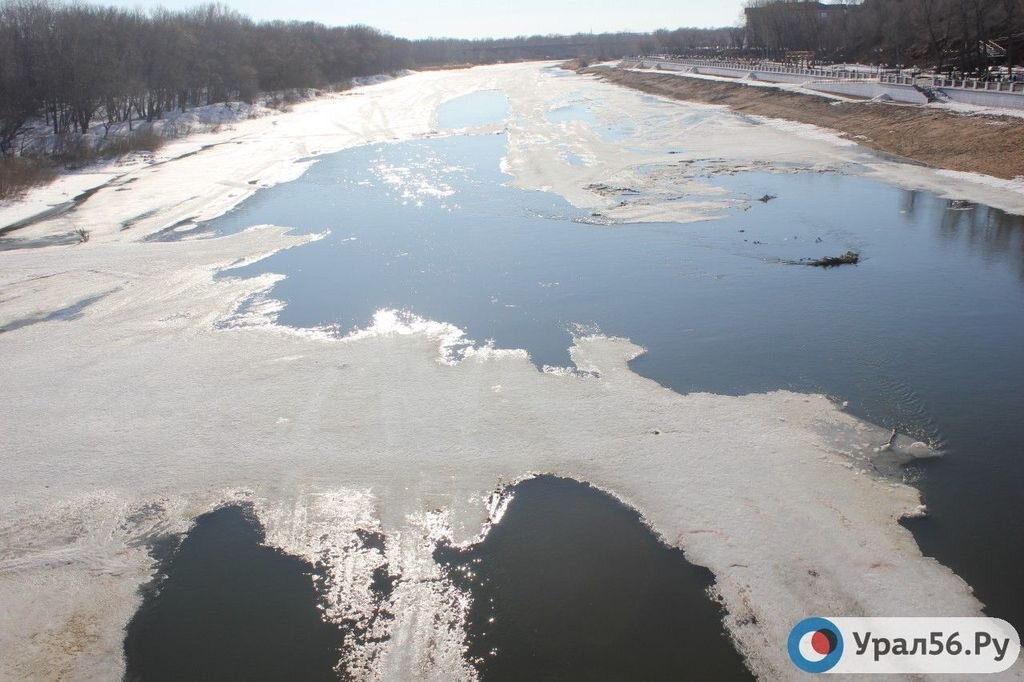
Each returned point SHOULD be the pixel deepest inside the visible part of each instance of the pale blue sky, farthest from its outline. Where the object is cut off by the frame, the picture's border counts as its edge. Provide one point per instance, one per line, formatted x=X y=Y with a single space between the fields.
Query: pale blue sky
x=483 y=18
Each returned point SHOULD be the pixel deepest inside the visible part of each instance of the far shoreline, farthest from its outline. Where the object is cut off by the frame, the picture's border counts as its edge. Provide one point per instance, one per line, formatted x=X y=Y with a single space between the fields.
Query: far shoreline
x=986 y=144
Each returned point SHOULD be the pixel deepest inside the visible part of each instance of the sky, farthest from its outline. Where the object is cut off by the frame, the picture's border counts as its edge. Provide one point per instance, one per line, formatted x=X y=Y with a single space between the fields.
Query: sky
x=482 y=18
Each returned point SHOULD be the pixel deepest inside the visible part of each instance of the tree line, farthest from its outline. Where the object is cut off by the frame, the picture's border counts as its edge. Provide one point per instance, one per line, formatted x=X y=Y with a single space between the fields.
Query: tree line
x=966 y=35
x=76 y=65
x=68 y=63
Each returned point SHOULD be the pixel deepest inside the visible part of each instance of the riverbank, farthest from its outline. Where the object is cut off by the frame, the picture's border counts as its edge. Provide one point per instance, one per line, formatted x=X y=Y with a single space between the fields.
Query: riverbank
x=971 y=143
x=52 y=174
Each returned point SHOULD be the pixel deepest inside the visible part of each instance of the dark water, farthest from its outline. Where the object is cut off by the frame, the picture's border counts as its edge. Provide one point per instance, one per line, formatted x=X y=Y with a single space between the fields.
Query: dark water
x=228 y=608
x=926 y=334
x=571 y=586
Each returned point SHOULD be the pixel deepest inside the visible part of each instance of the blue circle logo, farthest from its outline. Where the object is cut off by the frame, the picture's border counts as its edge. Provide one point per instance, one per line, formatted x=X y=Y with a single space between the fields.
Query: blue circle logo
x=815 y=645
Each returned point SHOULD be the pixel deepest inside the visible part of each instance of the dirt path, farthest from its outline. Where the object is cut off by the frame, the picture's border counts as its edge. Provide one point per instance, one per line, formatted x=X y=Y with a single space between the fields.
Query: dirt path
x=992 y=145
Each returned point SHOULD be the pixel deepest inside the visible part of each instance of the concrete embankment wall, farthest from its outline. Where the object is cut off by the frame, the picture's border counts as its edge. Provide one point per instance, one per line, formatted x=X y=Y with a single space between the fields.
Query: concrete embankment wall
x=867 y=89
x=982 y=98
x=909 y=94
x=851 y=88
x=870 y=90
x=766 y=76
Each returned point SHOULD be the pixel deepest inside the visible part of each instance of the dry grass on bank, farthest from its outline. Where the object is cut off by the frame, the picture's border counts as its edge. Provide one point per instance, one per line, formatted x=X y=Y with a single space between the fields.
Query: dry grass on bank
x=18 y=175
x=575 y=64
x=82 y=152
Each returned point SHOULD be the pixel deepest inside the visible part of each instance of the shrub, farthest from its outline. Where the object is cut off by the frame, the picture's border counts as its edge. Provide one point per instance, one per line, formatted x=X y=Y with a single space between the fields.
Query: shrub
x=74 y=153
x=19 y=174
x=79 y=152
x=144 y=140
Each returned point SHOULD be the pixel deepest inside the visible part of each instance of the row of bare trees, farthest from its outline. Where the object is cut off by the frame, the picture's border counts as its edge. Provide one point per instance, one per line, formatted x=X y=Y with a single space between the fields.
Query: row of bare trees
x=963 y=34
x=69 y=63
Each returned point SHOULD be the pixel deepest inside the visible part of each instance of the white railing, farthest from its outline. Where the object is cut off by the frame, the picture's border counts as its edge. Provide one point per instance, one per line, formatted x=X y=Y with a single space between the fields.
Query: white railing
x=825 y=73
x=838 y=72
x=1015 y=87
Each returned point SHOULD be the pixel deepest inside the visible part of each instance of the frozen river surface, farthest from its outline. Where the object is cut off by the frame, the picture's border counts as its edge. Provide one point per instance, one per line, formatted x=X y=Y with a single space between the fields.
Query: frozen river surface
x=454 y=310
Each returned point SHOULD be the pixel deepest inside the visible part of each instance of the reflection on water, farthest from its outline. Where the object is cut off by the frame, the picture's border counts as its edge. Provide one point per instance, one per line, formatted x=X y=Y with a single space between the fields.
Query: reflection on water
x=926 y=334
x=572 y=585
x=989 y=233
x=982 y=231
